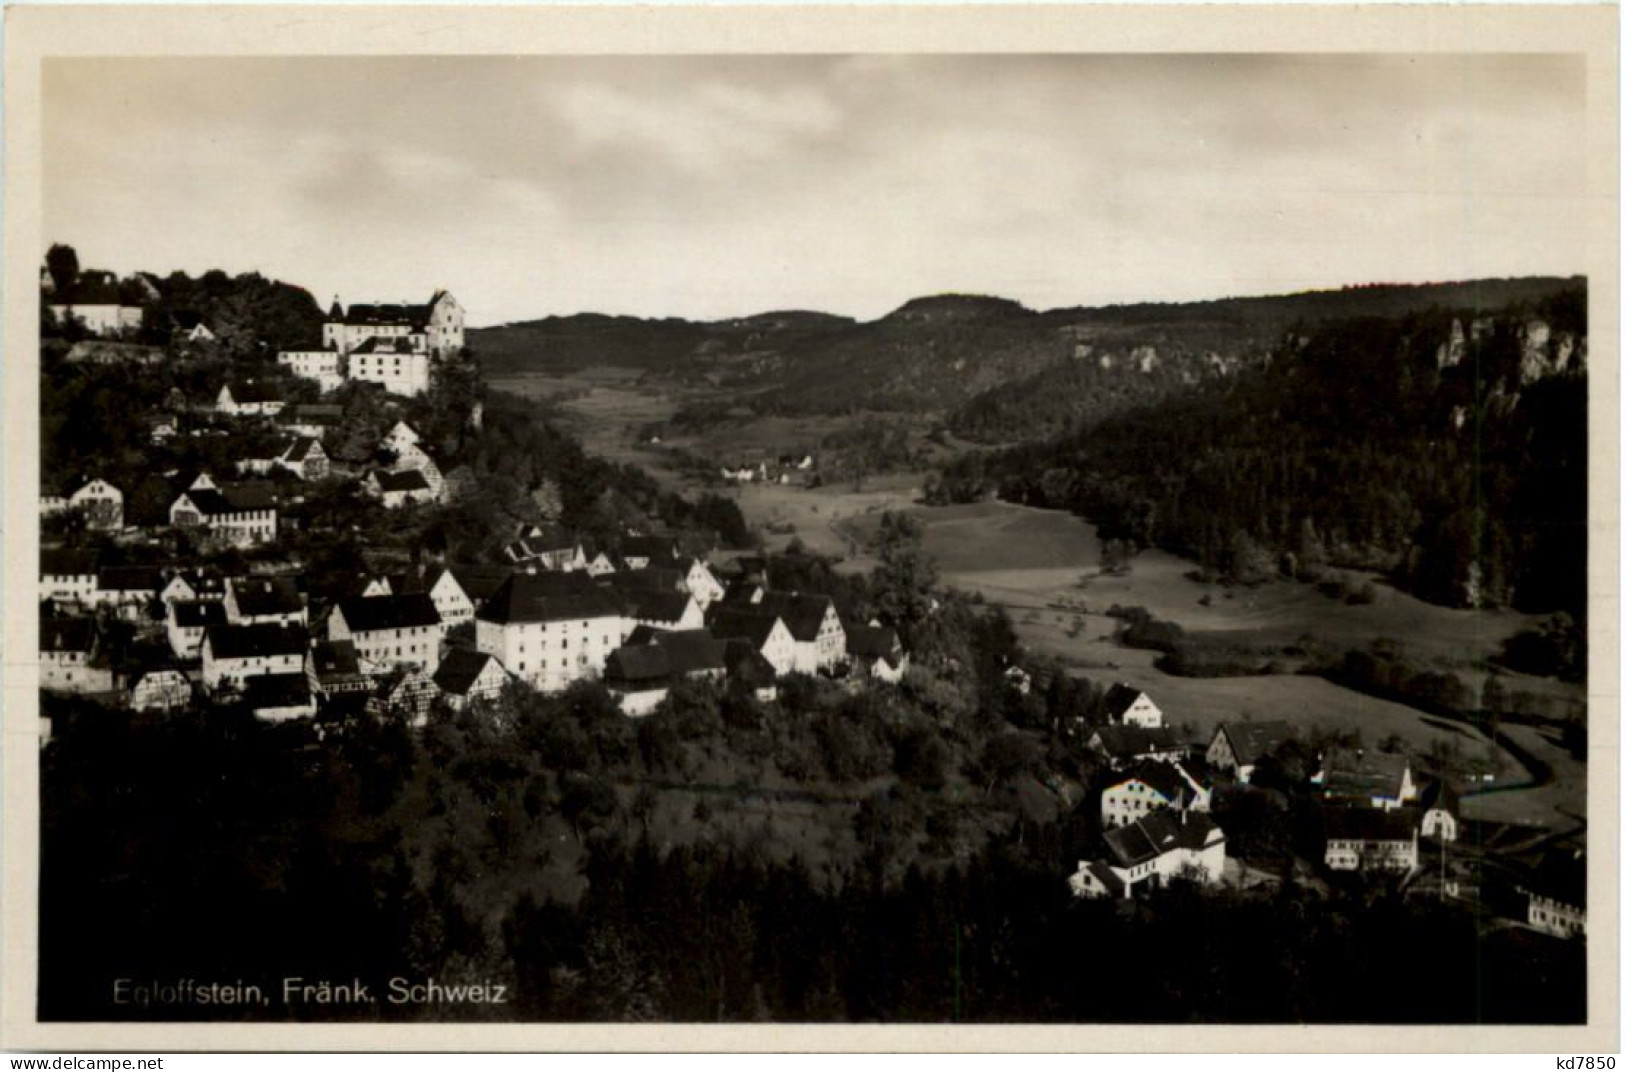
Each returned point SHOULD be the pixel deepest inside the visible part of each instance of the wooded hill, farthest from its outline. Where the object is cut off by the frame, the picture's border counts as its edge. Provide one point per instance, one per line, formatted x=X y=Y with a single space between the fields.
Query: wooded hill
x=998 y=371
x=1444 y=448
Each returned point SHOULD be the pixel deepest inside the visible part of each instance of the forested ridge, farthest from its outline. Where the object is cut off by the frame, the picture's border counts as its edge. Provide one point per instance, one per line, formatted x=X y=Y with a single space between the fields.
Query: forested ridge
x=1445 y=450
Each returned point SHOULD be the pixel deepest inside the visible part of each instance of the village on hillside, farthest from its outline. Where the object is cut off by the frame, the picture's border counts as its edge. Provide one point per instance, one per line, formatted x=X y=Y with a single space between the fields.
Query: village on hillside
x=196 y=600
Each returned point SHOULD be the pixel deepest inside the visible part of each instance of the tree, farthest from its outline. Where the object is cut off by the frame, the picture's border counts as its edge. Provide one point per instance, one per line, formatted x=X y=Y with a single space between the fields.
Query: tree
x=588 y=803
x=62 y=262
x=903 y=581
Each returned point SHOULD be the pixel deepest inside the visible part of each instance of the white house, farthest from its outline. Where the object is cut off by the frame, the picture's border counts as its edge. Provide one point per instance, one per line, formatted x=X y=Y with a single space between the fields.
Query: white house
x=240 y=515
x=701 y=583
x=101 y=502
x=389 y=631
x=96 y=301
x=1151 y=852
x=820 y=639
x=70 y=656
x=234 y=653
x=67 y=576
x=433 y=328
x=1150 y=786
x=326 y=367
x=1129 y=706
x=302 y=456
x=1440 y=811
x=161 y=690
x=193 y=585
x=549 y=635
x=279 y=697
x=130 y=591
x=1371 y=839
x=1557 y=894
x=663 y=610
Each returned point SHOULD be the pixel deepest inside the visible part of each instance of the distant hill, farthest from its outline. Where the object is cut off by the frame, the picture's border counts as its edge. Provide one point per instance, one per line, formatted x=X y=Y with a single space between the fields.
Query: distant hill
x=996 y=369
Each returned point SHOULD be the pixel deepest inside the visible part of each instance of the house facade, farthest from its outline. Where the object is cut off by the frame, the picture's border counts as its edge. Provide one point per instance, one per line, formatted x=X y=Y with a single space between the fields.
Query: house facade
x=70 y=656
x=389 y=631
x=1238 y=746
x=549 y=636
x=239 y=516
x=326 y=367
x=185 y=622
x=467 y=677
x=101 y=502
x=1129 y=706
x=68 y=576
x=161 y=690
x=1151 y=852
x=232 y=654
x=1371 y=839
x=1150 y=786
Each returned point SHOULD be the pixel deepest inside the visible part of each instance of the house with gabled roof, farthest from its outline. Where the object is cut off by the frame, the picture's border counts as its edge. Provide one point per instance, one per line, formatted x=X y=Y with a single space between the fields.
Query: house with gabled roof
x=232 y=654
x=1238 y=746
x=1129 y=706
x=466 y=677
x=662 y=610
x=1371 y=839
x=389 y=631
x=160 y=689
x=699 y=582
x=130 y=591
x=1150 y=785
x=98 y=301
x=875 y=651
x=335 y=669
x=405 y=692
x=395 y=489
x=815 y=626
x=67 y=575
x=71 y=657
x=101 y=502
x=203 y=583
x=549 y=548
x=641 y=552
x=326 y=367
x=1374 y=779
x=550 y=630
x=1151 y=852
x=1124 y=745
x=241 y=514
x=260 y=599
x=186 y=620
x=763 y=630
x=311 y=418
x=249 y=399
x=1441 y=810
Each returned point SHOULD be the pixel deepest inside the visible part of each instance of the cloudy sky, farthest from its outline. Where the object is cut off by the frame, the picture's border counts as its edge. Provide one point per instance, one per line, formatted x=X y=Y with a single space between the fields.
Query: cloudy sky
x=718 y=186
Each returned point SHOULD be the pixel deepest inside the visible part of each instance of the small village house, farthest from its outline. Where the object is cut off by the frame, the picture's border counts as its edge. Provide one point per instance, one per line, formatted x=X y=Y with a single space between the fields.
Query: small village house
x=1441 y=809
x=1121 y=746
x=389 y=631
x=469 y=677
x=187 y=620
x=1151 y=852
x=874 y=651
x=326 y=367
x=71 y=656
x=279 y=697
x=1371 y=839
x=395 y=489
x=68 y=576
x=815 y=626
x=248 y=399
x=1238 y=746
x=1129 y=706
x=1557 y=894
x=161 y=690
x=264 y=600
x=232 y=654
x=101 y=503
x=240 y=515
x=1149 y=786
x=764 y=631
x=1374 y=779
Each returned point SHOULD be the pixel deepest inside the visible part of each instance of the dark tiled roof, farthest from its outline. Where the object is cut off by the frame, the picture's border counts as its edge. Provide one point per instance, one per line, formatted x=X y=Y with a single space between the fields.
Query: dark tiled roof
x=803 y=615
x=1442 y=795
x=255 y=641
x=303 y=447
x=872 y=641
x=479 y=583
x=529 y=597
x=408 y=610
x=1158 y=833
x=129 y=579
x=656 y=606
x=650 y=547
x=459 y=670
x=747 y=665
x=276 y=690
x=1106 y=877
x=198 y=613
x=741 y=623
x=413 y=315
x=1371 y=824
x=1363 y=774
x=404 y=480
x=254 y=392
x=1134 y=740
x=1161 y=777
x=1251 y=741
x=234 y=499
x=335 y=658
x=649 y=579
x=263 y=596
x=689 y=651
x=66 y=562
x=643 y=664
x=374 y=344
x=67 y=634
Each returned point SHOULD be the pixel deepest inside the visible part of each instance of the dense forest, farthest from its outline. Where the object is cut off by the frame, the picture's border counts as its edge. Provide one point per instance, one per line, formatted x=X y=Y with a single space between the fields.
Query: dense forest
x=1445 y=450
